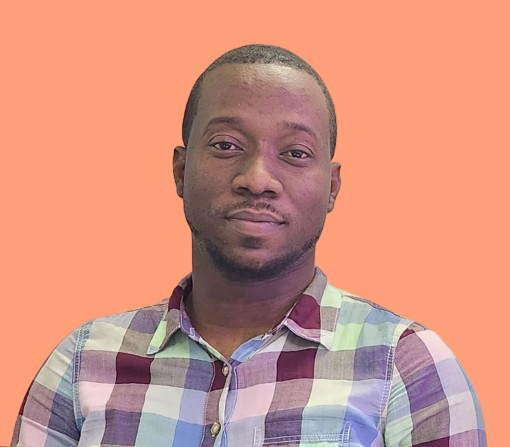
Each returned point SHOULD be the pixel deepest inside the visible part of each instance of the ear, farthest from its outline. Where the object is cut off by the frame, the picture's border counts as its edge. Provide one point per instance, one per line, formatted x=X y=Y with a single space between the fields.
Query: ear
x=179 y=163
x=335 y=185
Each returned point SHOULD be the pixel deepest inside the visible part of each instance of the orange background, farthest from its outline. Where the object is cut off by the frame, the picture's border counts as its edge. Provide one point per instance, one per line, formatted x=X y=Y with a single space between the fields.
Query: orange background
x=91 y=101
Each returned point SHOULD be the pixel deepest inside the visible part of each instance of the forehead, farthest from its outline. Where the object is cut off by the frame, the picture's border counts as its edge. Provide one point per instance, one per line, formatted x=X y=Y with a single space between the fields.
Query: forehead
x=269 y=92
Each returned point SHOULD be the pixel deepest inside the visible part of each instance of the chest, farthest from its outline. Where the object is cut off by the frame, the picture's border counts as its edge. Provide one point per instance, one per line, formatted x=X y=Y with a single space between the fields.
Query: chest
x=286 y=396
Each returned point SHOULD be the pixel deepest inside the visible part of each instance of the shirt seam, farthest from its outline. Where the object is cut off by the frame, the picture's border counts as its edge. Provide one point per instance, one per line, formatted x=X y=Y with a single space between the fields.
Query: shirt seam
x=78 y=349
x=387 y=382
x=390 y=372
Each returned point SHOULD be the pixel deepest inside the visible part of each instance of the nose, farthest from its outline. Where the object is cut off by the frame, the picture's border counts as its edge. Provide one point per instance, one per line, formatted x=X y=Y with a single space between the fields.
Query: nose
x=257 y=177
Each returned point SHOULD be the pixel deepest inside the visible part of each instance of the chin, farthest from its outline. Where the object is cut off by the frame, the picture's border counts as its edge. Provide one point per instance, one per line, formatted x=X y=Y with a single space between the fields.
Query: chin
x=254 y=259
x=251 y=268
x=240 y=272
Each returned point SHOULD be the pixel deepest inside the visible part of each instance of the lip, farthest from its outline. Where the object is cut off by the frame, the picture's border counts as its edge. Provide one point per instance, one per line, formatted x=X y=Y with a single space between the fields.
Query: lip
x=255 y=216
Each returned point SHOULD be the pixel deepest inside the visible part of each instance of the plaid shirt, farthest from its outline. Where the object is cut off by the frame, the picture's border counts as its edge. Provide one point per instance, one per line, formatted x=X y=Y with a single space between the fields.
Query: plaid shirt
x=337 y=371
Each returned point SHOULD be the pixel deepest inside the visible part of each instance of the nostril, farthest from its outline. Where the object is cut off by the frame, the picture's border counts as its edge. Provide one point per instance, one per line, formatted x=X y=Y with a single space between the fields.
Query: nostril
x=256 y=185
x=256 y=178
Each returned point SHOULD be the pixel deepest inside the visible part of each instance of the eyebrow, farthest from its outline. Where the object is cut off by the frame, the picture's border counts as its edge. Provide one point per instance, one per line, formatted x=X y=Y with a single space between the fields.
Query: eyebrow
x=222 y=120
x=301 y=127
x=292 y=125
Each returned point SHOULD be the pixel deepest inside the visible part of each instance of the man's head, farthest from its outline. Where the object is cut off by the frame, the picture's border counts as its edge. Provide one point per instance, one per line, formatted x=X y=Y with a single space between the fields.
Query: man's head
x=258 y=54
x=255 y=174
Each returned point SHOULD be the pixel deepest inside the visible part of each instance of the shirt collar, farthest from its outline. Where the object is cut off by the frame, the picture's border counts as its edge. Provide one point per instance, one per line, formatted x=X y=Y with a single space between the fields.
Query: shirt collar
x=313 y=318
x=173 y=319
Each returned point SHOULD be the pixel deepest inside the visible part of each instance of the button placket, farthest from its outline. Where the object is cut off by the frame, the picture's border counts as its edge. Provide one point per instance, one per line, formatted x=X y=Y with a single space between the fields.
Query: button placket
x=220 y=388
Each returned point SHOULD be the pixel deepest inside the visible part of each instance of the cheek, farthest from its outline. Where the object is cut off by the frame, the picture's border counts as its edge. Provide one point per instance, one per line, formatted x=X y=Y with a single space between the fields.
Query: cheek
x=195 y=181
x=311 y=207
x=194 y=196
x=202 y=192
x=201 y=175
x=314 y=196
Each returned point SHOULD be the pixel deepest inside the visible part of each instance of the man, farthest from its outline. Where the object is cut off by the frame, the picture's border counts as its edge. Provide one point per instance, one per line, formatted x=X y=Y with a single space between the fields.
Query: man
x=254 y=348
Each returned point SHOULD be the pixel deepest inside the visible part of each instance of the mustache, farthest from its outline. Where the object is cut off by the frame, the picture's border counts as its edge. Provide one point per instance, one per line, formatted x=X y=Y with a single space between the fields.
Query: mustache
x=253 y=205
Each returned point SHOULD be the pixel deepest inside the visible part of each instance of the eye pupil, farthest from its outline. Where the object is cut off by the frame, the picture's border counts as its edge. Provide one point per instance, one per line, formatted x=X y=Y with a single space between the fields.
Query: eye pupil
x=296 y=154
x=224 y=146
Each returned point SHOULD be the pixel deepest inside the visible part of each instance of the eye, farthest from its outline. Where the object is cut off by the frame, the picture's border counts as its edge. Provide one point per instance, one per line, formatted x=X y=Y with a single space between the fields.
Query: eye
x=224 y=146
x=297 y=153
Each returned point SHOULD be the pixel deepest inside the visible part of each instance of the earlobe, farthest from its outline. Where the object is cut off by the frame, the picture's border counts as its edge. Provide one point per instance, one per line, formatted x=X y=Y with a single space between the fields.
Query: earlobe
x=335 y=185
x=179 y=164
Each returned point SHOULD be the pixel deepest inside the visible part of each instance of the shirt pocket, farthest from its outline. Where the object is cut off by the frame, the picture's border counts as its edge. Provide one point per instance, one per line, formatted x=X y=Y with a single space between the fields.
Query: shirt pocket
x=278 y=435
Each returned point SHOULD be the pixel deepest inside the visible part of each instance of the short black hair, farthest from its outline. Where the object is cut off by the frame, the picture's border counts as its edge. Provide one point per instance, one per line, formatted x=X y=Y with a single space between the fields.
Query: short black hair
x=258 y=54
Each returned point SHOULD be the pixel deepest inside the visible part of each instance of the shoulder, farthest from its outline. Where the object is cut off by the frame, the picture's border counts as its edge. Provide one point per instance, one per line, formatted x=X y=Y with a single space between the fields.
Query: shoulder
x=106 y=333
x=432 y=399
x=419 y=342
x=415 y=348
x=370 y=323
x=424 y=361
x=142 y=319
x=356 y=307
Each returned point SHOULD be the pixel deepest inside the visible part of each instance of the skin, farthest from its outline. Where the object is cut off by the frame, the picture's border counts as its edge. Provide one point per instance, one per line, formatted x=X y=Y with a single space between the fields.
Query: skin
x=257 y=183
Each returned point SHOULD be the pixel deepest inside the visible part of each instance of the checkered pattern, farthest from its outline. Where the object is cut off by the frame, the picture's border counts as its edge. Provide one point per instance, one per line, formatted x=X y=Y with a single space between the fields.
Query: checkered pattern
x=338 y=371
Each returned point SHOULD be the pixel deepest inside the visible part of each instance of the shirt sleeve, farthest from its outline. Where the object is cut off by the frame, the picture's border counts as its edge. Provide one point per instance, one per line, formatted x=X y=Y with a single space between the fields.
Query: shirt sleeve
x=47 y=416
x=432 y=402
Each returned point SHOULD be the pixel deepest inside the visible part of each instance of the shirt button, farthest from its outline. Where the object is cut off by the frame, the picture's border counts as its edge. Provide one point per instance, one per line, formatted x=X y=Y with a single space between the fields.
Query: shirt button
x=225 y=370
x=215 y=428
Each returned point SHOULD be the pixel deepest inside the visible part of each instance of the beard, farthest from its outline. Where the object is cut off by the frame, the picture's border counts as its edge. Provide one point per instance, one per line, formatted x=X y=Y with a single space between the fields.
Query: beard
x=237 y=271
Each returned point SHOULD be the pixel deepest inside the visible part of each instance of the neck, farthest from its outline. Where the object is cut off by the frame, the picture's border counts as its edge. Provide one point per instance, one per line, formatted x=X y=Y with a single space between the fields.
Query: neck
x=227 y=313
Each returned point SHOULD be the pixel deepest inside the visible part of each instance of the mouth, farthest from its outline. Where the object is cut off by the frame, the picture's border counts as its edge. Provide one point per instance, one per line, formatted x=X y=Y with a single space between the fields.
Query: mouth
x=254 y=223
x=256 y=217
